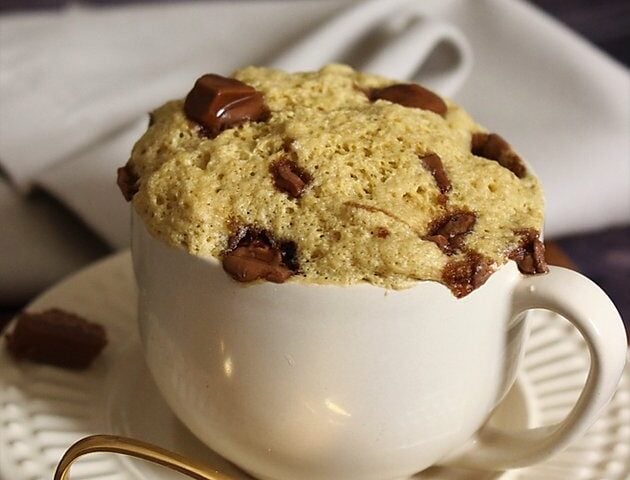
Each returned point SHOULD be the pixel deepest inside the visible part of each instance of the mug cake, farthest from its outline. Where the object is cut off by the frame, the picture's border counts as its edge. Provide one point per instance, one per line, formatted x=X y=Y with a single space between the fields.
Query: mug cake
x=334 y=177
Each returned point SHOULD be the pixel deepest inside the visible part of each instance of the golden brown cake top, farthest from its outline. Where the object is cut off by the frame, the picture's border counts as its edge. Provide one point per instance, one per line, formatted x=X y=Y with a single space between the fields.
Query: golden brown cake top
x=334 y=176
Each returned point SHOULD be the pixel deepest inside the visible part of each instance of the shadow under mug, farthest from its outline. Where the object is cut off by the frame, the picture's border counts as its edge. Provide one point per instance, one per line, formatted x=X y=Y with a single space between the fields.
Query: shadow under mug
x=357 y=382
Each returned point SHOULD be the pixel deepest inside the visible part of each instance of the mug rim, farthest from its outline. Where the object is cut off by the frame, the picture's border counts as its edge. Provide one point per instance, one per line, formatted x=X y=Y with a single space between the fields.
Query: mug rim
x=138 y=226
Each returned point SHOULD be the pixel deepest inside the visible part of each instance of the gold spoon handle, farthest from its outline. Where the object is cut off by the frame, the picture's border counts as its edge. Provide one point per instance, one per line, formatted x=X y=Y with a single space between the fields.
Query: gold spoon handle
x=138 y=449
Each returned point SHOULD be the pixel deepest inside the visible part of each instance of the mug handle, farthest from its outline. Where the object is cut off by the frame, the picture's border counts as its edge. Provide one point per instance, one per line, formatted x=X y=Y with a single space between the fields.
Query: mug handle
x=589 y=309
x=400 y=57
x=404 y=56
x=329 y=42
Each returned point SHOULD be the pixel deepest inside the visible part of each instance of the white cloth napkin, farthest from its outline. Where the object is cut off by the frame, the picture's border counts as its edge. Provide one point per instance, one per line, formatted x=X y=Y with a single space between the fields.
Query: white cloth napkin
x=76 y=83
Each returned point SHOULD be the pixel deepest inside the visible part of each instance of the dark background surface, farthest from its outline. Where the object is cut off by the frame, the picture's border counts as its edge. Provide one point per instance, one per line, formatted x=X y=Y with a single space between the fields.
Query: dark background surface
x=603 y=256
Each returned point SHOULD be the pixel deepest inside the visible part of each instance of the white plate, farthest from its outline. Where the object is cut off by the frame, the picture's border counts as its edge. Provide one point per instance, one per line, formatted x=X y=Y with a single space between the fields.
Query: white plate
x=43 y=410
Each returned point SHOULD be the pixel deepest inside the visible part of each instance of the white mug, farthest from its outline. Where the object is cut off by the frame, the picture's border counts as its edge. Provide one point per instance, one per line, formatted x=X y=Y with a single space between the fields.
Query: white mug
x=394 y=39
x=319 y=382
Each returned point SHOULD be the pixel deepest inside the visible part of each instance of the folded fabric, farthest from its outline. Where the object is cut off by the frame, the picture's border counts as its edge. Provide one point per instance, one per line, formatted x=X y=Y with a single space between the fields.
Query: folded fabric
x=562 y=103
x=76 y=84
x=72 y=77
x=40 y=243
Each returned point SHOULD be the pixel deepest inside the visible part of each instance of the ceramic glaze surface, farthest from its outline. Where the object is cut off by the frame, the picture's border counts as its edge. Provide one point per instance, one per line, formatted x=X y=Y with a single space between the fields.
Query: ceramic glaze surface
x=316 y=382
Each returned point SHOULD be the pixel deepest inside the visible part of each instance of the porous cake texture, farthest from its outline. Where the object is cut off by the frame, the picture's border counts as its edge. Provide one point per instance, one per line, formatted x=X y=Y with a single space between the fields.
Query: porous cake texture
x=362 y=182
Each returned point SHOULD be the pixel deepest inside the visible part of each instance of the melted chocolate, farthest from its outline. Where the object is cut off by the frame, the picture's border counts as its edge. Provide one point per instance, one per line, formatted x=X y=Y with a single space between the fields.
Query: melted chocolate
x=530 y=253
x=253 y=254
x=449 y=232
x=433 y=163
x=288 y=177
x=217 y=103
x=410 y=95
x=494 y=147
x=464 y=276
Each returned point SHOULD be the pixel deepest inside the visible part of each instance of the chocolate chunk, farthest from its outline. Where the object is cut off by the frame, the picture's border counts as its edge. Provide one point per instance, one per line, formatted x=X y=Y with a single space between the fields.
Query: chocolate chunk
x=410 y=95
x=382 y=232
x=464 y=276
x=253 y=254
x=530 y=253
x=433 y=163
x=56 y=337
x=127 y=182
x=494 y=147
x=218 y=103
x=253 y=262
x=449 y=232
x=289 y=177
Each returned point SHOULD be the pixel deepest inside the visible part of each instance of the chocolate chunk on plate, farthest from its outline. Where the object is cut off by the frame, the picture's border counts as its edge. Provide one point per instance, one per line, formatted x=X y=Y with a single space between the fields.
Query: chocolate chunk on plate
x=464 y=276
x=254 y=254
x=449 y=231
x=217 y=103
x=410 y=95
x=289 y=177
x=494 y=147
x=56 y=337
x=530 y=253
